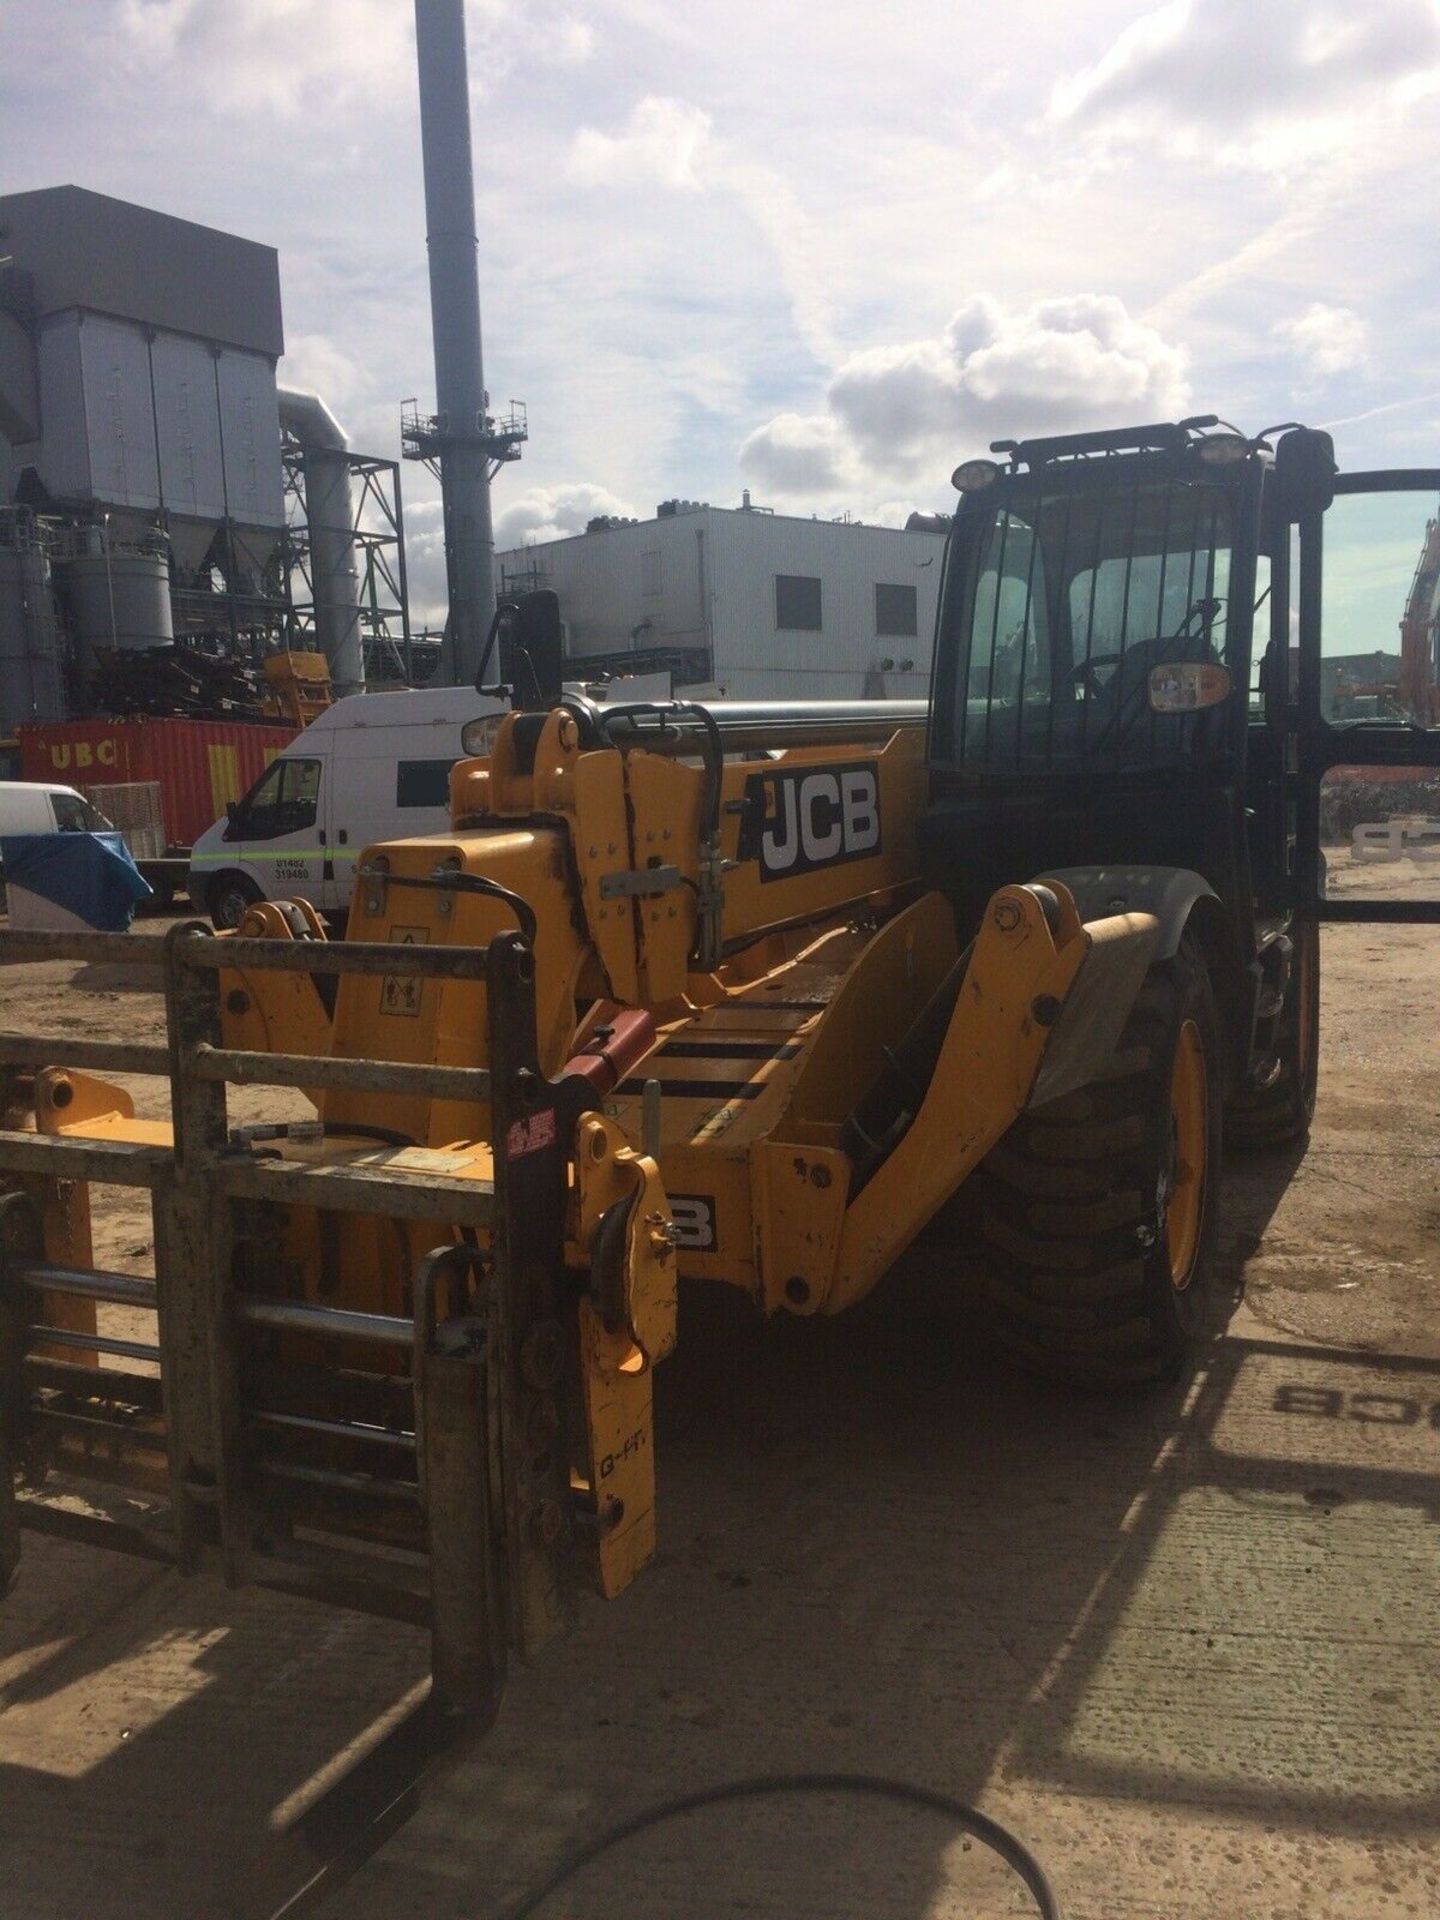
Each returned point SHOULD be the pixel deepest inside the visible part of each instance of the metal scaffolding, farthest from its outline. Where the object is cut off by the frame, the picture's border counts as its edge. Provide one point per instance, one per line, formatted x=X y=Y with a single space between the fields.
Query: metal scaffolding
x=393 y=654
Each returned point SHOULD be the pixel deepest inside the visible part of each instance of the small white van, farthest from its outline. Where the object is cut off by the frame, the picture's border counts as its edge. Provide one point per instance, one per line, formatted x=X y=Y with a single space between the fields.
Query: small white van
x=373 y=767
x=30 y=806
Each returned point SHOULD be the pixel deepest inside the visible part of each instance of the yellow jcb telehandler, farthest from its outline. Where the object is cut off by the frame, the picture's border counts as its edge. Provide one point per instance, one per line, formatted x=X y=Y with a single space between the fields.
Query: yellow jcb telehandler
x=728 y=994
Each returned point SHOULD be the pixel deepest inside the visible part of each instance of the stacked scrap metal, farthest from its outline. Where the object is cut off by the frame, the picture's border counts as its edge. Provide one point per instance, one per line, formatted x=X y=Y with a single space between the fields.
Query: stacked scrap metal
x=176 y=680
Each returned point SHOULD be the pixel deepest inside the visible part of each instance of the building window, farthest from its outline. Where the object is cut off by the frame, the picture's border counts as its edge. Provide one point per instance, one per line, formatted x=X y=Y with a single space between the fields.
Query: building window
x=423 y=783
x=650 y=574
x=895 y=614
x=797 y=603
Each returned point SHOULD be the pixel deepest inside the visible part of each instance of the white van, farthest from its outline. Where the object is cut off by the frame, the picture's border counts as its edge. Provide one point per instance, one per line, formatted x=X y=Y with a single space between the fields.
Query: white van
x=30 y=806
x=373 y=767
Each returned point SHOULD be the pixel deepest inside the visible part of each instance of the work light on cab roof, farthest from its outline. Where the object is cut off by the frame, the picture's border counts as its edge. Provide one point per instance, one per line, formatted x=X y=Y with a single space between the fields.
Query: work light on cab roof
x=973 y=476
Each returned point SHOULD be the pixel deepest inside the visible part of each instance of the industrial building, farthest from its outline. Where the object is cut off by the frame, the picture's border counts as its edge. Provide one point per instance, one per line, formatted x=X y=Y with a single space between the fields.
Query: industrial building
x=169 y=516
x=758 y=604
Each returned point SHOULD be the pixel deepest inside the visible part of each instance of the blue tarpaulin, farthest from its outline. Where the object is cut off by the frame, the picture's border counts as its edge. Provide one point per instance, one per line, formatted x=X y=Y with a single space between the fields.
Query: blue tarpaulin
x=71 y=879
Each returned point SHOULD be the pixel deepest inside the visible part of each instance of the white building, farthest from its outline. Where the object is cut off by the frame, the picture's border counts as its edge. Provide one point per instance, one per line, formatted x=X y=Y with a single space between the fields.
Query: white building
x=758 y=604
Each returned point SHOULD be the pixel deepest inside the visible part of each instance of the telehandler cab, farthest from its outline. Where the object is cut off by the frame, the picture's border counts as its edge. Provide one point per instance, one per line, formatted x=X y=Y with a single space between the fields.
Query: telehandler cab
x=735 y=994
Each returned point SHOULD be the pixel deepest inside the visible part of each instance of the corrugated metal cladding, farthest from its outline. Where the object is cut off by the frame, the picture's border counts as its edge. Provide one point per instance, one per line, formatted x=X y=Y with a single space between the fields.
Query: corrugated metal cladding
x=707 y=578
x=188 y=426
x=250 y=427
x=120 y=428
x=136 y=418
x=66 y=440
x=200 y=764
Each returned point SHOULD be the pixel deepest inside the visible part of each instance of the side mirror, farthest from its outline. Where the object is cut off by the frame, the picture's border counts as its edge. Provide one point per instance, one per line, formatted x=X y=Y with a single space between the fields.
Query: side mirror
x=531 y=643
x=232 y=811
x=1304 y=472
x=538 y=632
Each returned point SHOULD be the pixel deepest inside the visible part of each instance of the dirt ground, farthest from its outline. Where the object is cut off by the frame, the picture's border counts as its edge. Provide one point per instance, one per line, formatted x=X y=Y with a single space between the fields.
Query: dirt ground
x=1183 y=1645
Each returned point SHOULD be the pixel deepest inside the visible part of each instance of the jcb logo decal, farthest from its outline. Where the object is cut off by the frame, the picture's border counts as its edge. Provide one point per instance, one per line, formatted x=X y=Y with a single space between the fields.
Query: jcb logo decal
x=820 y=817
x=694 y=1217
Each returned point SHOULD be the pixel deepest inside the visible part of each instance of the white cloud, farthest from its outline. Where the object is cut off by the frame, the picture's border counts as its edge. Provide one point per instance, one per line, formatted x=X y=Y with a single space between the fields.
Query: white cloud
x=1261 y=82
x=155 y=26
x=672 y=143
x=425 y=562
x=1326 y=340
x=663 y=140
x=275 y=56
x=908 y=412
x=573 y=41
x=322 y=57
x=314 y=363
x=549 y=513
x=800 y=455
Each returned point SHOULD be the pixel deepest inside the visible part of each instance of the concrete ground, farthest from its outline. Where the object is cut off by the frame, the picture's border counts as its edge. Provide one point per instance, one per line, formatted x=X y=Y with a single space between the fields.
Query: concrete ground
x=1184 y=1645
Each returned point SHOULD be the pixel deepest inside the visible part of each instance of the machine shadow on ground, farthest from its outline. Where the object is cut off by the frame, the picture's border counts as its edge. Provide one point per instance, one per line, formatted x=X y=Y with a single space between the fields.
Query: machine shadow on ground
x=898 y=1558
x=881 y=1552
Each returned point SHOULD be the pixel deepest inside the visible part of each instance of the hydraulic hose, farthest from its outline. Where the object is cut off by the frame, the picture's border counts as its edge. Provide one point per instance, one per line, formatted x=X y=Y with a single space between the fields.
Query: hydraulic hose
x=1016 y=1855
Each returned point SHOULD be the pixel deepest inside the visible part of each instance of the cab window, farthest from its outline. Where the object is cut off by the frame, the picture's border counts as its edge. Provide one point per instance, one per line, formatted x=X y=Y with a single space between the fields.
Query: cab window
x=1072 y=597
x=74 y=815
x=1007 y=686
x=285 y=799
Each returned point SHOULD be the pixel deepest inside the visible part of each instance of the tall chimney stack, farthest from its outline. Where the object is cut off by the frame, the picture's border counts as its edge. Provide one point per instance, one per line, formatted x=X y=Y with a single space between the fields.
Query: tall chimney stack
x=462 y=435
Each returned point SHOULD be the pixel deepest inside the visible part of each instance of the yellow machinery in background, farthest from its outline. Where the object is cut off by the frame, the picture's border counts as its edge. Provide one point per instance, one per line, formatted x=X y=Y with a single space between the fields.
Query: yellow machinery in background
x=297 y=687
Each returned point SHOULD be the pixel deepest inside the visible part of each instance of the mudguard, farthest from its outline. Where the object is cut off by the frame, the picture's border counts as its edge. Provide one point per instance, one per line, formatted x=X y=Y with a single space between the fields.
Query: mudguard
x=1169 y=893
x=1180 y=898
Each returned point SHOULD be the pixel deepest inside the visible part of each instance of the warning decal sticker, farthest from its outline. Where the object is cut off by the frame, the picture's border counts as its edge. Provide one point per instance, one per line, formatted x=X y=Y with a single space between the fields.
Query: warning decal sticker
x=400 y=992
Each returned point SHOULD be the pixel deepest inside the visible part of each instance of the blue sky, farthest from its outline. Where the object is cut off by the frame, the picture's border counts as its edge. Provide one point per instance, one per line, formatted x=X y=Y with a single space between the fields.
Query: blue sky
x=823 y=251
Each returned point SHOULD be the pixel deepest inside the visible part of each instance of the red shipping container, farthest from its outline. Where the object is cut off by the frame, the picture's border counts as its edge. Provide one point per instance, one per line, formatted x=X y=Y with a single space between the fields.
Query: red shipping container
x=200 y=764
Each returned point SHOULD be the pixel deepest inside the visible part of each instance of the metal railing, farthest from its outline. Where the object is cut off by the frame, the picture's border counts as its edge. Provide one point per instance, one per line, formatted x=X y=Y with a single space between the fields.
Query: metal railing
x=254 y=1432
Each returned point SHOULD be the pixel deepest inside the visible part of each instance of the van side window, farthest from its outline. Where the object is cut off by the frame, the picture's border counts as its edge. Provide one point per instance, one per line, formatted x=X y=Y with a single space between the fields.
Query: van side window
x=71 y=813
x=423 y=783
x=283 y=800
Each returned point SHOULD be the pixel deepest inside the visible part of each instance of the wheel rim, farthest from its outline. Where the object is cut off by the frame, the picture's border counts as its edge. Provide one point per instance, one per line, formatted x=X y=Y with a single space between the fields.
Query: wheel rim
x=1189 y=1147
x=230 y=907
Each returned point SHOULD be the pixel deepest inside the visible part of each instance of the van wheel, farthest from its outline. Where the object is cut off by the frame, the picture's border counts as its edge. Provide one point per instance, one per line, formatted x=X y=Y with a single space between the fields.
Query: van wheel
x=1098 y=1209
x=228 y=898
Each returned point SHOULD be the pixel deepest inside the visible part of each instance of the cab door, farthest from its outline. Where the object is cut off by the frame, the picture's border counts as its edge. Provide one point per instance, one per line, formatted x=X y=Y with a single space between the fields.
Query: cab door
x=276 y=833
x=1366 y=700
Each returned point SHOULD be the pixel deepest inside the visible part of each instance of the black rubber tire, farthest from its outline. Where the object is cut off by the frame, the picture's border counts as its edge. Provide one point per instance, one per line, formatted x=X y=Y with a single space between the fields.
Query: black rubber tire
x=1280 y=1114
x=228 y=897
x=1077 y=1269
